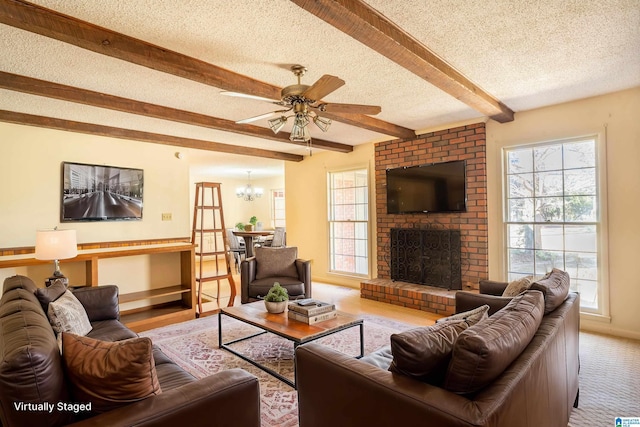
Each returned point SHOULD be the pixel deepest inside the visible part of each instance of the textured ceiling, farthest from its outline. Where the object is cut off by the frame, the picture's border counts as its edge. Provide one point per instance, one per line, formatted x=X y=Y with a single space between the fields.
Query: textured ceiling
x=525 y=54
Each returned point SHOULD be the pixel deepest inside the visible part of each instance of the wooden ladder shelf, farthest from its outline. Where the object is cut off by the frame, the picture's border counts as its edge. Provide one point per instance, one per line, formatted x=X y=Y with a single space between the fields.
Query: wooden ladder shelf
x=209 y=236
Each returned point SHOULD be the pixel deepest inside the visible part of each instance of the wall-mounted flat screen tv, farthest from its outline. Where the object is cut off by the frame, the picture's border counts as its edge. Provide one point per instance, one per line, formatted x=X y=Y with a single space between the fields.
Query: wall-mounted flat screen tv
x=438 y=187
x=101 y=193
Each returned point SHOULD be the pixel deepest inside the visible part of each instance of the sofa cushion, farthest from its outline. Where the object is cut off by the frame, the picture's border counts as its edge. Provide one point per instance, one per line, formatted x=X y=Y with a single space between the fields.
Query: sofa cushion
x=260 y=287
x=67 y=314
x=518 y=286
x=380 y=358
x=424 y=353
x=30 y=362
x=109 y=374
x=110 y=330
x=471 y=317
x=18 y=282
x=51 y=293
x=484 y=350
x=276 y=262
x=555 y=287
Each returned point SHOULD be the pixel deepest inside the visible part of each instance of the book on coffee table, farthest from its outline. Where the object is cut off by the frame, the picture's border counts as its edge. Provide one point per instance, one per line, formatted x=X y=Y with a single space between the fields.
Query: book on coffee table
x=313 y=319
x=310 y=307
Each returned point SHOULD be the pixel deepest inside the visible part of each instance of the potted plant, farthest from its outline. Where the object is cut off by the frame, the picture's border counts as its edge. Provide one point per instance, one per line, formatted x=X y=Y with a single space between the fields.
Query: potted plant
x=240 y=226
x=252 y=224
x=276 y=299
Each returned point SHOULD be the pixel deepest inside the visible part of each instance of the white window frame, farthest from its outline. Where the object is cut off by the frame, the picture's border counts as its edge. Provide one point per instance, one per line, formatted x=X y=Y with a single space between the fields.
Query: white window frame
x=277 y=221
x=602 y=312
x=365 y=227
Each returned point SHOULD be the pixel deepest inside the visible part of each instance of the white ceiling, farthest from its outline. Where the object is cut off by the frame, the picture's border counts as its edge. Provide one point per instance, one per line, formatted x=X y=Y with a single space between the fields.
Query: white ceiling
x=526 y=54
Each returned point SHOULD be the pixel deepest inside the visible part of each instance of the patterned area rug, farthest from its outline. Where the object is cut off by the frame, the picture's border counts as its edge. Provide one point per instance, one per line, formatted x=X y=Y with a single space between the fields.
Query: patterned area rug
x=194 y=346
x=609 y=379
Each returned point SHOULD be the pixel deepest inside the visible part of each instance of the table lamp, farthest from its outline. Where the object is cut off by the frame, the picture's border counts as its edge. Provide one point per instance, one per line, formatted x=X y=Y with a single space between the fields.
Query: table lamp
x=56 y=245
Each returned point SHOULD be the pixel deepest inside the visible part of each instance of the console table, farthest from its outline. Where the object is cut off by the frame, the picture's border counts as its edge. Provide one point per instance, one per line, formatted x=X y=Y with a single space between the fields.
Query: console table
x=148 y=317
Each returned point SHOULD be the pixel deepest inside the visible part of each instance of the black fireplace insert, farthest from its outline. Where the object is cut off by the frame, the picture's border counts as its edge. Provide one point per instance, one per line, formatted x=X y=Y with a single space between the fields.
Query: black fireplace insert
x=427 y=257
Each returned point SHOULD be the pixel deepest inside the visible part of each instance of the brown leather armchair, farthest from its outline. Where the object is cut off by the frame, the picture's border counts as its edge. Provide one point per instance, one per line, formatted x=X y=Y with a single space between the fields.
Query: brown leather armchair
x=270 y=265
x=490 y=294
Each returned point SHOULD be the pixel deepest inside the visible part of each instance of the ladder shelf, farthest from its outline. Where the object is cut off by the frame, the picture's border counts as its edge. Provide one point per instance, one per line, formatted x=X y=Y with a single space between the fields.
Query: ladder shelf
x=209 y=236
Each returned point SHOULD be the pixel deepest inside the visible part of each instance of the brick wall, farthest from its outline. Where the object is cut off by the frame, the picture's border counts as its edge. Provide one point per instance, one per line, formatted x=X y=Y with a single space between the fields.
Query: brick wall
x=461 y=143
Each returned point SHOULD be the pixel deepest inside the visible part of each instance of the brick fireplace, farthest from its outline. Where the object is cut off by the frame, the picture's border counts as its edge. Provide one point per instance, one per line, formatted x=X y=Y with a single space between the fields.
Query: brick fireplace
x=462 y=143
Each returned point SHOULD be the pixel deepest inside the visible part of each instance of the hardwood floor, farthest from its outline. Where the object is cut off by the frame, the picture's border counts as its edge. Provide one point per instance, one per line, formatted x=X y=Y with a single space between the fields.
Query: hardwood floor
x=345 y=298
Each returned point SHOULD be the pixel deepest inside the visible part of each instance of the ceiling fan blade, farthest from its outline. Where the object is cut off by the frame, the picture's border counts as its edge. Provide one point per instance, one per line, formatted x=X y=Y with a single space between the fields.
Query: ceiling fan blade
x=323 y=87
x=256 y=118
x=244 y=95
x=350 y=108
x=262 y=116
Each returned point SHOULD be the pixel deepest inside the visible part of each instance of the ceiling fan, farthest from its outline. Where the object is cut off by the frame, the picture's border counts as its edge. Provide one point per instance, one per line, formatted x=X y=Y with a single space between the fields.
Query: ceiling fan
x=303 y=103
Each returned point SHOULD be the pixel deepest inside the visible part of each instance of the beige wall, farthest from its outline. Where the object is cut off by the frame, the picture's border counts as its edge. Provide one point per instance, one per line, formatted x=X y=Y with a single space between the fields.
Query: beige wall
x=30 y=185
x=614 y=118
x=30 y=189
x=306 y=206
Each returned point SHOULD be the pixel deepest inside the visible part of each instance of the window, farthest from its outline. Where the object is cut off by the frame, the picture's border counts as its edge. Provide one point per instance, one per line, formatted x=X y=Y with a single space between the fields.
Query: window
x=553 y=216
x=277 y=208
x=349 y=222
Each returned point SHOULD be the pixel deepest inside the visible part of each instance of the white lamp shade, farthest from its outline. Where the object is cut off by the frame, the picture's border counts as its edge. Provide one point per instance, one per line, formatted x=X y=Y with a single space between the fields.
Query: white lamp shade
x=56 y=244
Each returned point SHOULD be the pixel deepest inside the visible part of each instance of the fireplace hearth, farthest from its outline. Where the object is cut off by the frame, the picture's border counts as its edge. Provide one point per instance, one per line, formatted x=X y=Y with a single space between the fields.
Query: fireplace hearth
x=426 y=257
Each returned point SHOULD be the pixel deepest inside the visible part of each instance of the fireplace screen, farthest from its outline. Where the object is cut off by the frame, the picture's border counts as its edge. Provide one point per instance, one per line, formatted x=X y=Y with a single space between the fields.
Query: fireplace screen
x=426 y=257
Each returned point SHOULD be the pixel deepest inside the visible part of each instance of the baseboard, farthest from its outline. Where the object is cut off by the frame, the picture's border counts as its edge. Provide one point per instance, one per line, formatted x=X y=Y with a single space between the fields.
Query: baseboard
x=604 y=328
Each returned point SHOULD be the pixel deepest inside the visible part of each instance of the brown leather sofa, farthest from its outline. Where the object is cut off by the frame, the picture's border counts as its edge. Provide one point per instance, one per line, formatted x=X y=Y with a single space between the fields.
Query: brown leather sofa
x=31 y=371
x=538 y=388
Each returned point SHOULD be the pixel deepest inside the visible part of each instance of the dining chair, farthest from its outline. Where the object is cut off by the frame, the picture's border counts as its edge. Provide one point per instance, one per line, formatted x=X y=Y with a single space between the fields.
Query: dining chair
x=236 y=248
x=278 y=239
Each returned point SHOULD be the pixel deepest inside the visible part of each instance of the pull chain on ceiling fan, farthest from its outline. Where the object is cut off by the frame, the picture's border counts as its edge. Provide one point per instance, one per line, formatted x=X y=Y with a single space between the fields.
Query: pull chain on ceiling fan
x=303 y=102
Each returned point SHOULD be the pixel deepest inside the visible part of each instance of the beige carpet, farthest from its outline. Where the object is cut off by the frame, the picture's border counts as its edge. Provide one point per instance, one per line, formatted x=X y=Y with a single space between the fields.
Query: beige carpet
x=609 y=380
x=609 y=376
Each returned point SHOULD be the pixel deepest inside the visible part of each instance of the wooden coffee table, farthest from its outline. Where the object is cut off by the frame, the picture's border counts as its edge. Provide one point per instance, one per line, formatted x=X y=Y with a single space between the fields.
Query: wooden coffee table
x=256 y=314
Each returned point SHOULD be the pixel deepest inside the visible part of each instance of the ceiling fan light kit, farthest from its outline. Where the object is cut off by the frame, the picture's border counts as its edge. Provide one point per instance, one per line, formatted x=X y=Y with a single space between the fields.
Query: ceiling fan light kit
x=277 y=124
x=302 y=100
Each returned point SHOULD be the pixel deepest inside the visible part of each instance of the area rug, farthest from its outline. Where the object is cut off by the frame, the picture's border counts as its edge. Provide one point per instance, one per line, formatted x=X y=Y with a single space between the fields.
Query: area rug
x=194 y=346
x=609 y=375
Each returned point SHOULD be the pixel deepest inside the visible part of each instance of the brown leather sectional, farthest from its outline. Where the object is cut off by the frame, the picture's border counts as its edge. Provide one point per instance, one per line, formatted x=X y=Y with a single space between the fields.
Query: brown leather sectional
x=31 y=371
x=538 y=388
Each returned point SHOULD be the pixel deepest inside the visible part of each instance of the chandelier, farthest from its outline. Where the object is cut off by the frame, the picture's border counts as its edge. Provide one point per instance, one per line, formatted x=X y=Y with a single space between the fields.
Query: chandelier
x=248 y=192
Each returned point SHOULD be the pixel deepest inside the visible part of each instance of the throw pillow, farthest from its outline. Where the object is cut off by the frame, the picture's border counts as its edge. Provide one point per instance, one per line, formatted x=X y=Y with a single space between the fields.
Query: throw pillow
x=66 y=314
x=109 y=374
x=471 y=317
x=482 y=352
x=555 y=287
x=276 y=262
x=51 y=293
x=424 y=353
x=516 y=287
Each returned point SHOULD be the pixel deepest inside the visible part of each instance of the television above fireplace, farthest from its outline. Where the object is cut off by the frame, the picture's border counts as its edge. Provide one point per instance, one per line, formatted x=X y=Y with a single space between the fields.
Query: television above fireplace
x=437 y=187
x=101 y=193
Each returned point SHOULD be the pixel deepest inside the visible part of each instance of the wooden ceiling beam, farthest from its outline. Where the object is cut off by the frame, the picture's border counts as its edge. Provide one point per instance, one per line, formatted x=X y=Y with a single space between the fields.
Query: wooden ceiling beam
x=371 y=28
x=135 y=135
x=96 y=99
x=49 y=23
x=370 y=123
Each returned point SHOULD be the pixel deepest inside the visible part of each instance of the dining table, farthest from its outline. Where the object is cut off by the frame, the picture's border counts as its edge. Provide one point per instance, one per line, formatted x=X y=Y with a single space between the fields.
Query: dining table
x=248 y=237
